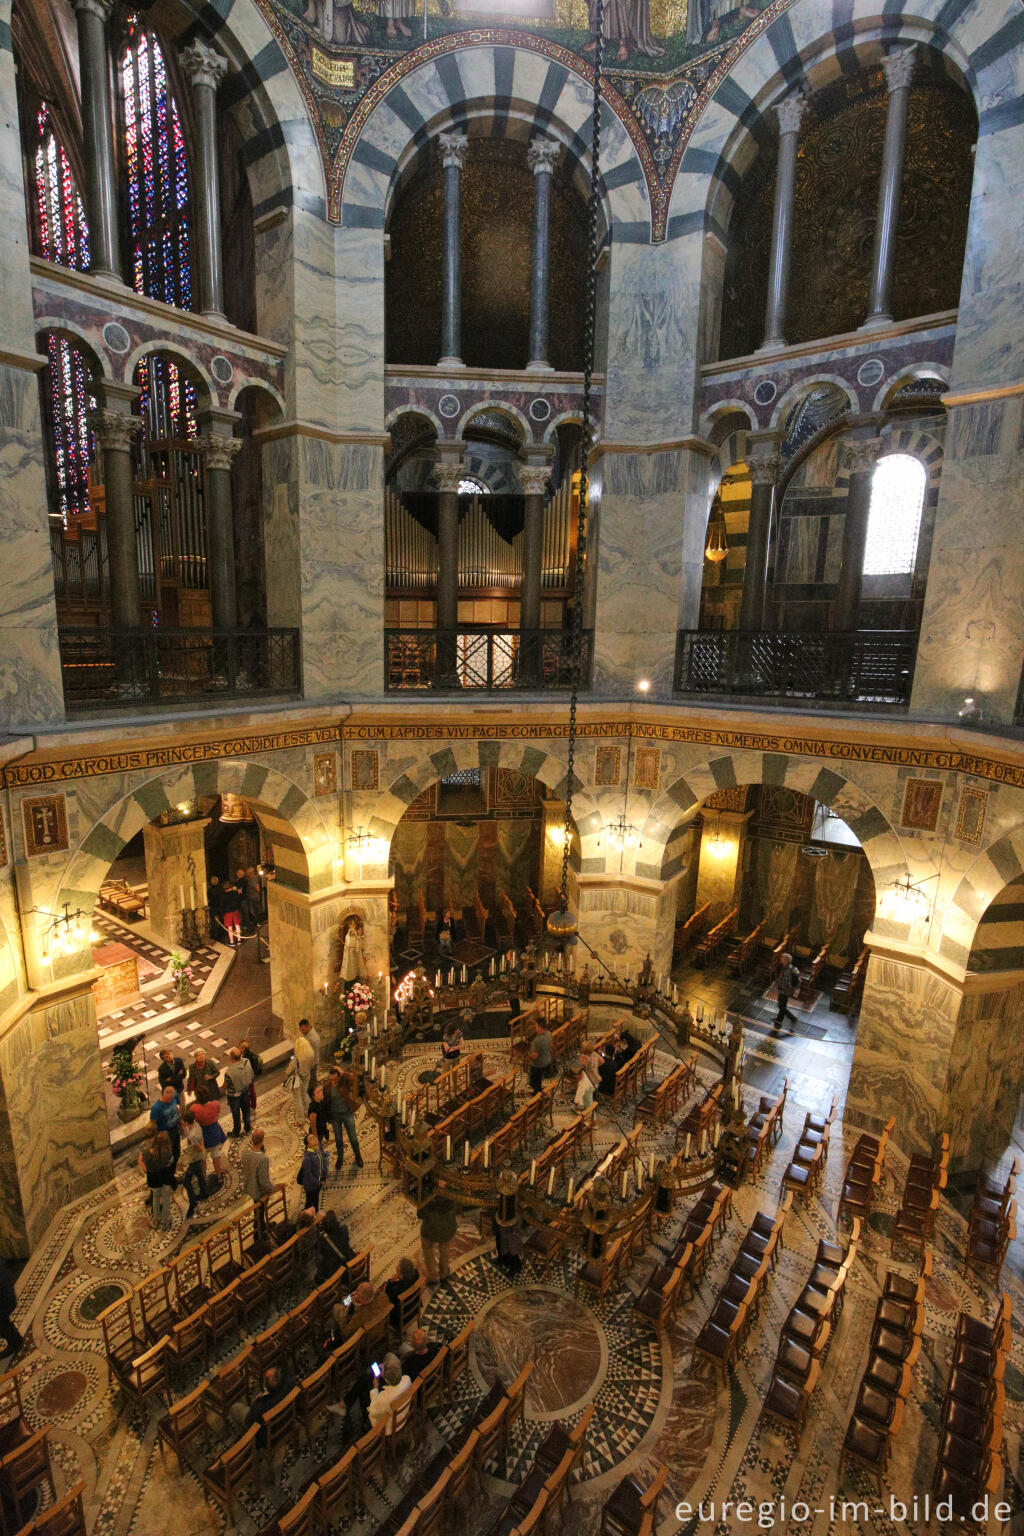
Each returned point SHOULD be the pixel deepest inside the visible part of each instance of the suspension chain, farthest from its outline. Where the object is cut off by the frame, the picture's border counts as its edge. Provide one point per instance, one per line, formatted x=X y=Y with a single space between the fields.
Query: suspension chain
x=590 y=327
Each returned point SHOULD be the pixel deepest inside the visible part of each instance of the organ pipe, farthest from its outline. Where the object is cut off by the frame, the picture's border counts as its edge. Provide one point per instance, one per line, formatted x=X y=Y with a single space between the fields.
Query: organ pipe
x=410 y=552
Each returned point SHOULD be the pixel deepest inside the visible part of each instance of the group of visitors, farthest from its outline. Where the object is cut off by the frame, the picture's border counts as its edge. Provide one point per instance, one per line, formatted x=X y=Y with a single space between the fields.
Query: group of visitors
x=185 y=1119
x=327 y=1108
x=236 y=904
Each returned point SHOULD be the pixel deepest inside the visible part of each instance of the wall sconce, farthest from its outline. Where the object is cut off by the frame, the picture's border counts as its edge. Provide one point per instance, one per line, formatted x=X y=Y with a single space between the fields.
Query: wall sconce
x=714 y=841
x=66 y=931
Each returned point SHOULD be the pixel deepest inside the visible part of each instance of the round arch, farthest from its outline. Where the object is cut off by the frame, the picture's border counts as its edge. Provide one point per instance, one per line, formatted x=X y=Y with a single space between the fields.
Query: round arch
x=992 y=870
x=206 y=390
x=60 y=326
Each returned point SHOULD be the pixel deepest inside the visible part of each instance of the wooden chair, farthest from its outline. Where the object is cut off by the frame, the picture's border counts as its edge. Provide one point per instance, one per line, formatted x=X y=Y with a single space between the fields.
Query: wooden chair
x=630 y=1506
x=456 y=1361
x=489 y=1434
x=336 y=1492
x=279 y=1424
x=460 y=1471
x=23 y=1469
x=301 y=1518
x=191 y=1290
x=123 y=1342
x=230 y=1383
x=231 y=1471
x=220 y=1315
x=370 y=1451
x=315 y=1393
x=65 y=1518
x=147 y=1376
x=347 y=1364
x=515 y=1408
x=156 y=1304
x=403 y=1425
x=788 y=1400
x=184 y=1422
x=410 y=1305
x=223 y=1262
x=300 y=1328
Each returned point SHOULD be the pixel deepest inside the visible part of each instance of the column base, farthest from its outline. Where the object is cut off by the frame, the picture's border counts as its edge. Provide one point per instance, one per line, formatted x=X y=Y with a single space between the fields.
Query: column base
x=108 y=275
x=539 y=367
x=216 y=314
x=876 y=323
x=773 y=344
x=451 y=362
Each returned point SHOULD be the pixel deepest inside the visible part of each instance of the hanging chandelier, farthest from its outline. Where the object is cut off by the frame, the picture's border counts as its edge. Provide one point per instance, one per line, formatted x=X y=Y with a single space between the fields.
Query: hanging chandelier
x=562 y=924
x=66 y=932
x=717 y=548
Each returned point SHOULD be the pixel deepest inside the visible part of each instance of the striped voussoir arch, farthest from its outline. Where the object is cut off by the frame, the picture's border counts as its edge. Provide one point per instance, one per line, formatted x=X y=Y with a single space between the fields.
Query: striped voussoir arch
x=980 y=931
x=919 y=443
x=804 y=46
x=301 y=841
x=508 y=91
x=392 y=803
x=678 y=804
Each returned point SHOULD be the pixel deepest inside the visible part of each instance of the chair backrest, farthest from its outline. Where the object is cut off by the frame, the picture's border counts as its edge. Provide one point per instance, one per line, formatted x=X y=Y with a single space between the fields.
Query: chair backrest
x=460 y=1468
x=189 y=1413
x=457 y=1357
x=148 y=1372
x=371 y=1448
x=298 y=1521
x=402 y=1409
x=358 y=1269
x=516 y=1394
x=155 y=1303
x=279 y=1421
x=431 y=1380
x=317 y=1388
x=120 y=1336
x=336 y=1486
x=27 y=1464
x=346 y=1362
x=489 y=1433
x=65 y=1518
x=534 y=1516
x=410 y=1304
x=431 y=1507
x=229 y=1383
x=238 y=1462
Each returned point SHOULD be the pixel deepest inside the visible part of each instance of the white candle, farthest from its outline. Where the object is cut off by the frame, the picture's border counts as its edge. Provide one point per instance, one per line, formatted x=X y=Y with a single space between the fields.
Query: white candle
x=625 y=1176
x=487 y=1154
x=533 y=1173
x=703 y=1149
x=437 y=980
x=181 y=897
x=491 y=972
x=465 y=975
x=572 y=960
x=447 y=1149
x=650 y=1166
x=514 y=953
x=502 y=965
x=716 y=1134
x=569 y=1192
x=466 y=1159
x=687 y=1146
x=383 y=1078
x=551 y=1182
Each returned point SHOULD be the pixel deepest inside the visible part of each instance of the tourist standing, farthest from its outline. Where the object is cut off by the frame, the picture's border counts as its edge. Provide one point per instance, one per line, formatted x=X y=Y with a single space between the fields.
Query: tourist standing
x=158 y=1161
x=303 y=1069
x=166 y=1116
x=786 y=984
x=196 y=1187
x=207 y=1112
x=342 y=1102
x=171 y=1070
x=237 y=1082
x=438 y=1225
x=313 y=1171
x=540 y=1057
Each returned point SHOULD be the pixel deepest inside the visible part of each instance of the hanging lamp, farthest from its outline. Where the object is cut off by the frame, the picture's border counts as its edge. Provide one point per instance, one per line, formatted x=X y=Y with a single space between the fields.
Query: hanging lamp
x=717 y=548
x=562 y=924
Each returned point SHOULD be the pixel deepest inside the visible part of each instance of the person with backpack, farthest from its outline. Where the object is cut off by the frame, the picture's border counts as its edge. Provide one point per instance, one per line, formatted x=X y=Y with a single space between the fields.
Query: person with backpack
x=786 y=984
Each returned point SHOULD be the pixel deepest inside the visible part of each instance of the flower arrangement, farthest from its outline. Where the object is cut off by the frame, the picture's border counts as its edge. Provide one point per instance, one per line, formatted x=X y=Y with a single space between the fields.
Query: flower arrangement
x=126 y=1078
x=181 y=973
x=359 y=998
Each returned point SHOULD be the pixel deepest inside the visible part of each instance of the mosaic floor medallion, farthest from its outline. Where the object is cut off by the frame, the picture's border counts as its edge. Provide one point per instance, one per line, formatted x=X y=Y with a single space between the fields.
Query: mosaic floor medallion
x=556 y=1333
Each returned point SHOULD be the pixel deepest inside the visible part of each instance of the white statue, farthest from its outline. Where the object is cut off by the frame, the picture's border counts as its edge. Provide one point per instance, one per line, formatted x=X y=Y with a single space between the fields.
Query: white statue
x=352 y=964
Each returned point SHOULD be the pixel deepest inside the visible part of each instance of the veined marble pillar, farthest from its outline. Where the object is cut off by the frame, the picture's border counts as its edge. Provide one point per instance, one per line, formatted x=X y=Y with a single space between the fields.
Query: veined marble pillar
x=720 y=861
x=448 y=473
x=453 y=154
x=53 y=1115
x=624 y=919
x=304 y=935
x=541 y=157
x=789 y=113
x=859 y=455
x=97 y=131
x=176 y=873
x=115 y=428
x=533 y=478
x=218 y=449
x=898 y=69
x=764 y=464
x=206 y=68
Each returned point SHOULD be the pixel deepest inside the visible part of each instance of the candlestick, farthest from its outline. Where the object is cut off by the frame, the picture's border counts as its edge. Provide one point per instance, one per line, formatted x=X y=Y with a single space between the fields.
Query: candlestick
x=466 y=1158
x=551 y=1182
x=700 y=1011
x=568 y=1193
x=447 y=1149
x=533 y=1173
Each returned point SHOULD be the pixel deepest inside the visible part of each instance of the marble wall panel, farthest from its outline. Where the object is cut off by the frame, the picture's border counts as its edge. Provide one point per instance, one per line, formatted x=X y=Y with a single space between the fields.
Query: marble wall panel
x=651 y=346
x=622 y=924
x=984 y=1077
x=989 y=341
x=56 y=1114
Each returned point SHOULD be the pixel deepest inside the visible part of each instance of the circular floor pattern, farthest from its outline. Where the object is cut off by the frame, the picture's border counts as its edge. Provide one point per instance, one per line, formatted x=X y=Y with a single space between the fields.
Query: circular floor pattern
x=61 y=1393
x=99 y=1299
x=626 y=1376
x=556 y=1333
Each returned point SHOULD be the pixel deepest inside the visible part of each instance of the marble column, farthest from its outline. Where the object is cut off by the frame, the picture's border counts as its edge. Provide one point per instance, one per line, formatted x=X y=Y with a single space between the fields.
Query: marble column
x=541 y=157
x=97 y=133
x=764 y=464
x=898 y=69
x=53 y=1117
x=533 y=478
x=115 y=429
x=858 y=455
x=789 y=113
x=218 y=449
x=175 y=872
x=448 y=474
x=205 y=68
x=720 y=860
x=453 y=154
x=624 y=919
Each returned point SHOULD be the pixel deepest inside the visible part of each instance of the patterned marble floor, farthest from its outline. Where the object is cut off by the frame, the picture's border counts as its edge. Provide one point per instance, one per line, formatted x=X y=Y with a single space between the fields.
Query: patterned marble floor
x=651 y=1405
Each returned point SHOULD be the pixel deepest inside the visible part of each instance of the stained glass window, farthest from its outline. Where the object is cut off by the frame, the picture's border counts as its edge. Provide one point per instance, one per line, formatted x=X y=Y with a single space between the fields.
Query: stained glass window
x=167 y=400
x=894 y=521
x=69 y=427
x=63 y=232
x=160 y=254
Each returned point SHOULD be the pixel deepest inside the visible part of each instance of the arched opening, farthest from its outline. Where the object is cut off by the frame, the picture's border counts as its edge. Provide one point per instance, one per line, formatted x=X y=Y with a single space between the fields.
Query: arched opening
x=766 y=870
x=835 y=205
x=497 y=202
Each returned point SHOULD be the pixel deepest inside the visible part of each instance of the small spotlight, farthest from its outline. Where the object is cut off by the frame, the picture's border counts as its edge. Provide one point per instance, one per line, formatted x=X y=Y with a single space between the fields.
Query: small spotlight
x=644 y=685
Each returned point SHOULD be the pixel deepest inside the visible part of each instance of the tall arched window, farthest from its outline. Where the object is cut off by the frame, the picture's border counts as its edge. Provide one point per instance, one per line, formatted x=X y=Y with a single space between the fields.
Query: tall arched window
x=894 y=521
x=62 y=232
x=68 y=423
x=160 y=246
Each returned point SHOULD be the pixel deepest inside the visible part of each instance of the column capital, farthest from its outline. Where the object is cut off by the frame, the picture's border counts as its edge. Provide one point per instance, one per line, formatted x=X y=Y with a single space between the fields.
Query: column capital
x=203 y=64
x=542 y=155
x=533 y=478
x=218 y=451
x=859 y=455
x=114 y=429
x=790 y=112
x=448 y=473
x=765 y=469
x=453 y=149
x=100 y=8
x=899 y=67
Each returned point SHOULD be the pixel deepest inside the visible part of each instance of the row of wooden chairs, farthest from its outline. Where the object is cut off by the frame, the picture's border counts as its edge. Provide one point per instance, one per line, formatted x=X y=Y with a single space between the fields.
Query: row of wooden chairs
x=605 y=1272
x=24 y=1455
x=631 y=1509
x=548 y=1239
x=992 y=1225
x=664 y=1101
x=785 y=946
x=806 y=1166
x=926 y=1179
x=885 y=1386
x=711 y=942
x=863 y=1177
x=542 y=1495
x=469 y=1120
x=745 y=949
x=458 y=1085
x=969 y=1464
x=66 y=1517
x=764 y=1128
x=633 y=1074
x=701 y=1117
x=813 y=969
x=850 y=984
x=806 y=1333
x=739 y=1298
x=687 y=933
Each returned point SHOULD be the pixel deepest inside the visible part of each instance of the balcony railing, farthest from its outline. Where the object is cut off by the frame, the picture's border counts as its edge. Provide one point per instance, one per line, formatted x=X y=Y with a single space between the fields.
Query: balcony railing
x=105 y=668
x=859 y=667
x=487 y=660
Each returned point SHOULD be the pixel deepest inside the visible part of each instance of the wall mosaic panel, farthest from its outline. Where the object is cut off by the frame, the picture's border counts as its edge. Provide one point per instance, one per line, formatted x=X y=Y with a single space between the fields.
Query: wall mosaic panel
x=325 y=773
x=646 y=767
x=970 y=816
x=46 y=825
x=608 y=766
x=922 y=801
x=365 y=768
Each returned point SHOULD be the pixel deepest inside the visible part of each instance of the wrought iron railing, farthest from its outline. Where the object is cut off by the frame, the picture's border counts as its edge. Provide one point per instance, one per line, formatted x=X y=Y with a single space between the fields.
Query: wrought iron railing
x=859 y=667
x=111 y=668
x=488 y=660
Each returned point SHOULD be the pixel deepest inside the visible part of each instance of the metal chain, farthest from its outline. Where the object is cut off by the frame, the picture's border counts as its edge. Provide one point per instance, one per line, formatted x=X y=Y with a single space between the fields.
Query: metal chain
x=590 y=326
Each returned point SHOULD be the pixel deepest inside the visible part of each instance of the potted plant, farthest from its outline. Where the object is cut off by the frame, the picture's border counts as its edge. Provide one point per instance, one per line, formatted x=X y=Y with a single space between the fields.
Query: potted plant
x=127 y=1080
x=181 y=974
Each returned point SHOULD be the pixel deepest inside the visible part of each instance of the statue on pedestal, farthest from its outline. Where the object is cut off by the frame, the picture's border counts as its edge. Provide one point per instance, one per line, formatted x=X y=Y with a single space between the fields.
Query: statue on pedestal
x=352 y=961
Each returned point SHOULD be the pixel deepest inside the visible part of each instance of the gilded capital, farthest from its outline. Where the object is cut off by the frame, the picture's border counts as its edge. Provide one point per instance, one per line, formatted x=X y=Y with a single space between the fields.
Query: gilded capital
x=448 y=473
x=218 y=451
x=899 y=67
x=790 y=112
x=453 y=149
x=115 y=430
x=859 y=455
x=542 y=155
x=203 y=64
